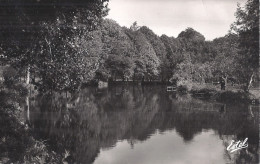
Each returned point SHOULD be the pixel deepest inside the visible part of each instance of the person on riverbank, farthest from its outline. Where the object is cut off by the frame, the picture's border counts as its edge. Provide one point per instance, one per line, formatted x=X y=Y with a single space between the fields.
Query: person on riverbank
x=222 y=83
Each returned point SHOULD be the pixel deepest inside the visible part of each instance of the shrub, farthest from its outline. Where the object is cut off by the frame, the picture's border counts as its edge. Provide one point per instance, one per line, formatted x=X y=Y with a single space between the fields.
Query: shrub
x=185 y=83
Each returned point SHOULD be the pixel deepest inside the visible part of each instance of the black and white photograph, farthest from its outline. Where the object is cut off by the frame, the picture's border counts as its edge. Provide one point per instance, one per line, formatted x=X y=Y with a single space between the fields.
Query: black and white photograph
x=129 y=82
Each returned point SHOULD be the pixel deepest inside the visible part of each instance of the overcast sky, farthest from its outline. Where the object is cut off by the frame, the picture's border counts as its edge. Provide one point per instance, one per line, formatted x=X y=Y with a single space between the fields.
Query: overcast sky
x=212 y=18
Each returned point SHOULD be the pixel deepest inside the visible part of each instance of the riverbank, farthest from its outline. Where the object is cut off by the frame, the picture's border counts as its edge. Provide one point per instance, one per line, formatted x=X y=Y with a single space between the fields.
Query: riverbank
x=209 y=91
x=232 y=94
x=17 y=142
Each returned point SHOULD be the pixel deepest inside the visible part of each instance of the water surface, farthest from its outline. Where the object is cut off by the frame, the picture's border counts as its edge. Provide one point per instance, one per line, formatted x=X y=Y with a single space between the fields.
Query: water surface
x=143 y=125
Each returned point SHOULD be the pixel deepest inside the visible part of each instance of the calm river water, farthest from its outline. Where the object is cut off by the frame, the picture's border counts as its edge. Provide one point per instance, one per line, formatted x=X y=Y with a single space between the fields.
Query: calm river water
x=143 y=125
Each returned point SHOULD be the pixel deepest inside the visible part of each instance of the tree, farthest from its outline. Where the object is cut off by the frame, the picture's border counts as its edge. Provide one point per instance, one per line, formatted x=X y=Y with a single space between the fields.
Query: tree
x=191 y=34
x=121 y=66
x=155 y=41
x=66 y=55
x=94 y=46
x=247 y=27
x=187 y=73
x=134 y=26
x=117 y=52
x=225 y=63
x=173 y=56
x=146 y=60
x=158 y=47
x=27 y=28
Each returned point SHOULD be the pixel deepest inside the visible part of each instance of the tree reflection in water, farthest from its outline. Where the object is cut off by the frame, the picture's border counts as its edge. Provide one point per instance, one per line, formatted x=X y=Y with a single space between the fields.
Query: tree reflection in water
x=86 y=122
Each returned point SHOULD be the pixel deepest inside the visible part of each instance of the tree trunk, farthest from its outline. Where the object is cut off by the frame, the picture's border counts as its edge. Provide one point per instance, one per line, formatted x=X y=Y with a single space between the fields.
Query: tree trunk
x=27 y=110
x=249 y=83
x=225 y=79
x=28 y=75
x=223 y=82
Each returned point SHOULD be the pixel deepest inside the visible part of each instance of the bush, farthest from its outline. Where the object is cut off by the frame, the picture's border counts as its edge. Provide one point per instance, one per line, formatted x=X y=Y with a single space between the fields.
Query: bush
x=185 y=83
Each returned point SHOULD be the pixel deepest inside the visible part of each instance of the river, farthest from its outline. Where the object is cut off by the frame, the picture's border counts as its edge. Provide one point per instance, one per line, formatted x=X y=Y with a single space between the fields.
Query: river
x=143 y=125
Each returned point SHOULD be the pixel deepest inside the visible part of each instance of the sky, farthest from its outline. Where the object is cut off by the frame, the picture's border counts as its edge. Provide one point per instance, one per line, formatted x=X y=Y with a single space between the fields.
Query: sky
x=212 y=18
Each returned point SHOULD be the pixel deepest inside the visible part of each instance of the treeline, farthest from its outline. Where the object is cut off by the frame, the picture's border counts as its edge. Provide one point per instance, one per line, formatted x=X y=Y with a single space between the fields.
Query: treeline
x=137 y=53
x=69 y=46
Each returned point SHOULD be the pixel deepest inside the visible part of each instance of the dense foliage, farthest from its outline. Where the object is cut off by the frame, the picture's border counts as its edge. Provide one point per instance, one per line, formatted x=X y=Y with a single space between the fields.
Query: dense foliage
x=247 y=27
x=71 y=45
x=137 y=53
x=50 y=39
